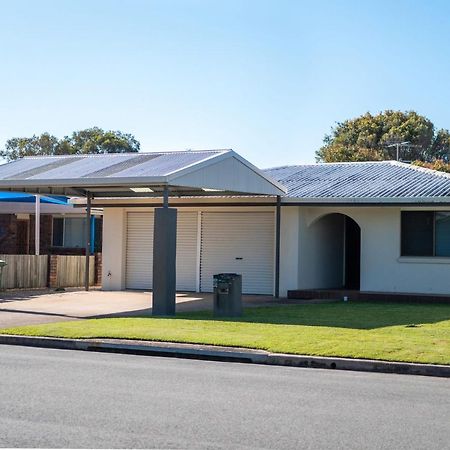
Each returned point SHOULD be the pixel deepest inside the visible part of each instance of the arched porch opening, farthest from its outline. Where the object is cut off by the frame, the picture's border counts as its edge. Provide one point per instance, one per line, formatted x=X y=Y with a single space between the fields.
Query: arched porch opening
x=334 y=253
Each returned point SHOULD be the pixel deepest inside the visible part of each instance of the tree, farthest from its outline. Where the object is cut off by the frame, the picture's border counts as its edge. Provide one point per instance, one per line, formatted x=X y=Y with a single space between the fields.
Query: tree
x=374 y=137
x=91 y=140
x=95 y=140
x=438 y=164
x=440 y=148
x=45 y=144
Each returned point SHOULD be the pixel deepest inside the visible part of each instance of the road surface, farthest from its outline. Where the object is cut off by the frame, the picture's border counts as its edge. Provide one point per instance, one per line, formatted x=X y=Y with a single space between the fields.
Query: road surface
x=64 y=398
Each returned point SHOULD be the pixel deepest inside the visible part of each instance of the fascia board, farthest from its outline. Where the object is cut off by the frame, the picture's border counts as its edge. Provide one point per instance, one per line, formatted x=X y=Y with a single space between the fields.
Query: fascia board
x=87 y=182
x=375 y=201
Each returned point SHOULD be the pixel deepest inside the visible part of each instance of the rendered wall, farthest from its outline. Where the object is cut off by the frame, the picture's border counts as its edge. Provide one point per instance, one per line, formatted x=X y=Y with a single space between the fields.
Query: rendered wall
x=382 y=267
x=113 y=252
x=321 y=248
x=289 y=249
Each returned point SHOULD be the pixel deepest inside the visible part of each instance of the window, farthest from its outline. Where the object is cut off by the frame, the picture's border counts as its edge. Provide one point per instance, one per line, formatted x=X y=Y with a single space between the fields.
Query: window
x=425 y=233
x=69 y=232
x=58 y=232
x=442 y=227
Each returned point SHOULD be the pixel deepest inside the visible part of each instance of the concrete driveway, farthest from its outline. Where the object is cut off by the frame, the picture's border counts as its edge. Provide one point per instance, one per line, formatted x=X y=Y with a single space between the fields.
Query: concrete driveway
x=44 y=306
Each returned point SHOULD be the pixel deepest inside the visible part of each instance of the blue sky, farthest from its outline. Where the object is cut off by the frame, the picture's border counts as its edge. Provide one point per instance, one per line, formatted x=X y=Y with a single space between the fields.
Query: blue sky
x=266 y=78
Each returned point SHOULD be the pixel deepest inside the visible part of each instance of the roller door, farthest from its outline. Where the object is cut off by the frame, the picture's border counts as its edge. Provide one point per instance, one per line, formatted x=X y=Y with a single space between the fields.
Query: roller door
x=240 y=243
x=139 y=250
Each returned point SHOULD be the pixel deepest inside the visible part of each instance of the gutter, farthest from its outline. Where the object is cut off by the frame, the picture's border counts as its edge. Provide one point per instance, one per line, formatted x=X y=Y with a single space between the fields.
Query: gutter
x=227 y=354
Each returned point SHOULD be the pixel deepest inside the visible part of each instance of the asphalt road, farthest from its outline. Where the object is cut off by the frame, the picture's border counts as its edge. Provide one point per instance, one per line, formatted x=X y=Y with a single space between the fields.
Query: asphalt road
x=63 y=398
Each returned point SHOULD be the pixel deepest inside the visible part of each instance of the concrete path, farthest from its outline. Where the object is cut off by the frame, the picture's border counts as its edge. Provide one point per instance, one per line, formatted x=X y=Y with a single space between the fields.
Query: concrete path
x=70 y=399
x=45 y=306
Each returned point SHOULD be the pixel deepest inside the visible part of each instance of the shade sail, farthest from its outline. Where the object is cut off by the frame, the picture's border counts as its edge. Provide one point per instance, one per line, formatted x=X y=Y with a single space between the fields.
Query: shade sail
x=19 y=197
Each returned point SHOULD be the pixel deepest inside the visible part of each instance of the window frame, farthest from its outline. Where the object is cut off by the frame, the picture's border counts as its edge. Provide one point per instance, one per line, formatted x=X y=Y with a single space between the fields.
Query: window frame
x=433 y=255
x=64 y=218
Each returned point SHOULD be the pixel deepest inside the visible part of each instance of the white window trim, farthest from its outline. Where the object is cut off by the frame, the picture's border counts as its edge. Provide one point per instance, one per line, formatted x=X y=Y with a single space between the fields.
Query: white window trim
x=424 y=259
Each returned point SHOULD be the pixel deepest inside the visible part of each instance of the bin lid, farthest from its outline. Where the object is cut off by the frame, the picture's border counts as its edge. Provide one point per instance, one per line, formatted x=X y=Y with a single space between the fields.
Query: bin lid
x=226 y=276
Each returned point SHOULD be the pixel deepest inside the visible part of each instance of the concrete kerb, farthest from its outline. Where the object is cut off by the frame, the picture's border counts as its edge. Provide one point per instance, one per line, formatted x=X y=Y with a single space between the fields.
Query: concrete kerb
x=226 y=354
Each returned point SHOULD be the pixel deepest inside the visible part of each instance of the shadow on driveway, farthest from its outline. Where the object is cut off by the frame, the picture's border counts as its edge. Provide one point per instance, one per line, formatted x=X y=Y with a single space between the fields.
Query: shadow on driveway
x=31 y=307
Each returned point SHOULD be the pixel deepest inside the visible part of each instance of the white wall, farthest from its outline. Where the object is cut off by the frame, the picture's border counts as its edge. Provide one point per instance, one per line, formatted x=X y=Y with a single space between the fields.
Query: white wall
x=382 y=267
x=289 y=249
x=321 y=249
x=113 y=249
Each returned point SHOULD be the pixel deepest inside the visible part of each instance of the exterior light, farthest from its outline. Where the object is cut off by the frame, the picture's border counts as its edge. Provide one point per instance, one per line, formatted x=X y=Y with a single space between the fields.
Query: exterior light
x=141 y=189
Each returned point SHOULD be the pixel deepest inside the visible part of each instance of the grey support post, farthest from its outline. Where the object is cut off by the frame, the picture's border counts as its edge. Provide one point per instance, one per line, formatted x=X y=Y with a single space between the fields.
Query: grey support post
x=277 y=247
x=88 y=240
x=164 y=259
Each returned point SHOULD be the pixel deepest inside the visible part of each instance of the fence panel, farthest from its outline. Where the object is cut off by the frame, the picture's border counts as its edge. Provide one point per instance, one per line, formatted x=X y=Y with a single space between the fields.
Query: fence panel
x=24 y=271
x=70 y=270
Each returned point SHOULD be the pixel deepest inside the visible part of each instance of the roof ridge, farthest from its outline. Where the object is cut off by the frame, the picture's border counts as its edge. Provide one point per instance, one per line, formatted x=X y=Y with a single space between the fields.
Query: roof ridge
x=424 y=169
x=386 y=161
x=98 y=155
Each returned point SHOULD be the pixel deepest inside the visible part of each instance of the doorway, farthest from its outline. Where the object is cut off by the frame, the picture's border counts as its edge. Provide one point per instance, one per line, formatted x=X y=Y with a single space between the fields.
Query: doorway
x=332 y=253
x=352 y=254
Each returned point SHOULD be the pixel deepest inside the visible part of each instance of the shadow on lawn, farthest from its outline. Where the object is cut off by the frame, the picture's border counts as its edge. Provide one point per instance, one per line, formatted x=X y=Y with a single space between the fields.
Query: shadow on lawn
x=356 y=315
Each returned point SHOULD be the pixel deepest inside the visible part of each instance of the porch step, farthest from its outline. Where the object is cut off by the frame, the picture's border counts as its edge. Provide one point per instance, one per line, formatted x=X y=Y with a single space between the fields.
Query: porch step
x=328 y=294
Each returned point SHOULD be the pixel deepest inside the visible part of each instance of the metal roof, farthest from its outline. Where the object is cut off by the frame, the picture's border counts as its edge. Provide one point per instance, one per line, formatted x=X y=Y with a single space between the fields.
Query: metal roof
x=359 y=182
x=187 y=172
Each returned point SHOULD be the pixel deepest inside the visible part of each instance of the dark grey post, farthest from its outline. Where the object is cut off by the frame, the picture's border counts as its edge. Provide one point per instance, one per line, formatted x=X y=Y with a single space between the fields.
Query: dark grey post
x=88 y=240
x=164 y=259
x=277 y=248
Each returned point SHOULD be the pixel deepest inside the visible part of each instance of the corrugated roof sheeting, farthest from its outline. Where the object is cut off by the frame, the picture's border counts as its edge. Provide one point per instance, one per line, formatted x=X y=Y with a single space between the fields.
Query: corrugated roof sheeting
x=103 y=166
x=165 y=164
x=365 y=180
x=22 y=165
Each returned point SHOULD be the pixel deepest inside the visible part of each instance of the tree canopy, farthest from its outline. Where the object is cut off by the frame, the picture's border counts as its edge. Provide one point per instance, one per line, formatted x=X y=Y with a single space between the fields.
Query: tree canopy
x=92 y=140
x=375 y=138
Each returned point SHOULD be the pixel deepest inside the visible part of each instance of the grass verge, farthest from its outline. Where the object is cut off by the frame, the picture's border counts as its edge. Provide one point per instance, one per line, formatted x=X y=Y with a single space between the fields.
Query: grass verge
x=384 y=331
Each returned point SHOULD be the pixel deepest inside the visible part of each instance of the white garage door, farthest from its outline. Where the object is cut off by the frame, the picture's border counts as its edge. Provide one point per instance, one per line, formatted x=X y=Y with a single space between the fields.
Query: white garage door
x=239 y=243
x=139 y=252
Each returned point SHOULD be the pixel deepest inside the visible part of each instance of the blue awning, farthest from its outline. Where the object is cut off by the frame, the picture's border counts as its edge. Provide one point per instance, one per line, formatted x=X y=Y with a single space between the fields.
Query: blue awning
x=29 y=198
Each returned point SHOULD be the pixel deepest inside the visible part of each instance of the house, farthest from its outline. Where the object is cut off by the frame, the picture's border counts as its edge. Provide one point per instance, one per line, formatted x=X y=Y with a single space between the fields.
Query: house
x=61 y=229
x=375 y=226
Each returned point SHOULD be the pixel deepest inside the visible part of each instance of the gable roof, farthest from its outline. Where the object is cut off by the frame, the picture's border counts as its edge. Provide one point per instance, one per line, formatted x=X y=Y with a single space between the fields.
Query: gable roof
x=187 y=172
x=363 y=182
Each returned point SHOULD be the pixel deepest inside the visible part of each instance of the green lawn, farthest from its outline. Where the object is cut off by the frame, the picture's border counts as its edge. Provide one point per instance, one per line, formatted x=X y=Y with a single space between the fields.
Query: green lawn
x=386 y=331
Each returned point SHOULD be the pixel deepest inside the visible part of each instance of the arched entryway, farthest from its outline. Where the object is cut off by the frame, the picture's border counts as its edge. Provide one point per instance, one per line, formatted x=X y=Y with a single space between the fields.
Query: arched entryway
x=334 y=250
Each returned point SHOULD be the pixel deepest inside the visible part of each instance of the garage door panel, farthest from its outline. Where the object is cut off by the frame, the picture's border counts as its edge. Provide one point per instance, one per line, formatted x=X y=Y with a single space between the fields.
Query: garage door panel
x=139 y=252
x=139 y=261
x=241 y=243
x=187 y=263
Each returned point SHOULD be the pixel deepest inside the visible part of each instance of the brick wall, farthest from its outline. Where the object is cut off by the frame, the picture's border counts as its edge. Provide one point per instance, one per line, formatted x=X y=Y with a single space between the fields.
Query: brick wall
x=98 y=269
x=52 y=271
x=8 y=234
x=45 y=233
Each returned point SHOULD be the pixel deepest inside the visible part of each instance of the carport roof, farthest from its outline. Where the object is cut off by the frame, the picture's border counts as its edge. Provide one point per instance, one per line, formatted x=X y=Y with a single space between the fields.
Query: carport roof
x=204 y=172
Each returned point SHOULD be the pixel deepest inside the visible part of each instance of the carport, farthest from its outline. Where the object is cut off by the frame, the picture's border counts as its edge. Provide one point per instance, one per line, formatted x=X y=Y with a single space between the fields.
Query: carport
x=163 y=175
